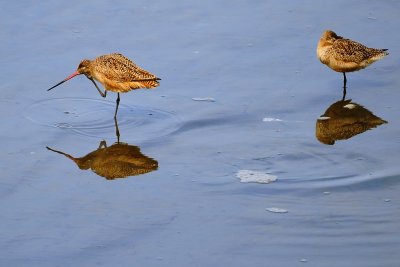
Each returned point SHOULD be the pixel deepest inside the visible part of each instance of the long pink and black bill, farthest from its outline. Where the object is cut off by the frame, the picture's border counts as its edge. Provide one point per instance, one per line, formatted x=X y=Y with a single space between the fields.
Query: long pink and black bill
x=66 y=79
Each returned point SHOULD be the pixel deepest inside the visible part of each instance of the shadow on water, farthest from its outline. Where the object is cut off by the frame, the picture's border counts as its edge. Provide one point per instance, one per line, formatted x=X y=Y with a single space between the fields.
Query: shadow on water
x=345 y=119
x=119 y=160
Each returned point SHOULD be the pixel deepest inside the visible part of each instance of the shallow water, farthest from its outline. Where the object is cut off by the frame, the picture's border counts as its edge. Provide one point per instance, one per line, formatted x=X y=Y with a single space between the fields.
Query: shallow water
x=264 y=90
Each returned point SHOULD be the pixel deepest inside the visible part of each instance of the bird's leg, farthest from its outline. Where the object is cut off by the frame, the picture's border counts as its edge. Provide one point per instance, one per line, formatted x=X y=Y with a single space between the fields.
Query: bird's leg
x=116 y=129
x=116 y=109
x=344 y=94
x=98 y=89
x=344 y=85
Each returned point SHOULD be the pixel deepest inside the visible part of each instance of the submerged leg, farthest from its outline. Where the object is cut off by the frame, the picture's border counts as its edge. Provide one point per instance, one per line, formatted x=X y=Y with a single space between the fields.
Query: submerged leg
x=116 y=128
x=116 y=109
x=344 y=85
x=98 y=89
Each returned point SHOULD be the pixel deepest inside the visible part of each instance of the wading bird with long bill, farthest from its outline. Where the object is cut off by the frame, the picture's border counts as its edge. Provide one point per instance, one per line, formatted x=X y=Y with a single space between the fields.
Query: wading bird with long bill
x=116 y=73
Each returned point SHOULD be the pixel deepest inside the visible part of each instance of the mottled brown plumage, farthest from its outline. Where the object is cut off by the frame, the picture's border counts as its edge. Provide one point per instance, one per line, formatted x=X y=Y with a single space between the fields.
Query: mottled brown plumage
x=117 y=73
x=117 y=161
x=343 y=120
x=344 y=55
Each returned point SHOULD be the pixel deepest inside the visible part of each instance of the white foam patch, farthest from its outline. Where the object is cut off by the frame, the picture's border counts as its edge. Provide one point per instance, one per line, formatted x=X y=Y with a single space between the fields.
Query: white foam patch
x=268 y=119
x=248 y=176
x=205 y=99
x=276 y=210
x=324 y=118
x=350 y=106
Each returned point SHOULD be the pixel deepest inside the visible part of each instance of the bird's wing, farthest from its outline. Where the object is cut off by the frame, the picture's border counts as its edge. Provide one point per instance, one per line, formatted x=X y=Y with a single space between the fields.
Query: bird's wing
x=118 y=68
x=350 y=51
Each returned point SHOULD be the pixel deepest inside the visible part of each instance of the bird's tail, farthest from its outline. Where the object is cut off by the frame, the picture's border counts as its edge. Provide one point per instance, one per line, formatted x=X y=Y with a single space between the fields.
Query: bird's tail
x=378 y=54
x=384 y=51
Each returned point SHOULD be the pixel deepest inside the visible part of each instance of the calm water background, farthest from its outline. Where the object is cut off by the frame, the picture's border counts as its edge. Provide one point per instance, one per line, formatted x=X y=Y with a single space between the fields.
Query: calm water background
x=257 y=60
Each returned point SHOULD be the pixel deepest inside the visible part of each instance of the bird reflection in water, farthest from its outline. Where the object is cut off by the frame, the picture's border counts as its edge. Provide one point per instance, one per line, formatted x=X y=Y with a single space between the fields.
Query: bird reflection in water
x=343 y=120
x=117 y=161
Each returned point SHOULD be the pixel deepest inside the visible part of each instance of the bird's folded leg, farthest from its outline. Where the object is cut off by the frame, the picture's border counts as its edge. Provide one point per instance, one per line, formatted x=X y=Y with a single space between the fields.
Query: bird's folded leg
x=98 y=89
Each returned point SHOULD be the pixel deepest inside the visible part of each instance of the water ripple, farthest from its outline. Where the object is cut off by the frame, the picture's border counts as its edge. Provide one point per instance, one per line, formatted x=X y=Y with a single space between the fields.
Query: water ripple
x=95 y=118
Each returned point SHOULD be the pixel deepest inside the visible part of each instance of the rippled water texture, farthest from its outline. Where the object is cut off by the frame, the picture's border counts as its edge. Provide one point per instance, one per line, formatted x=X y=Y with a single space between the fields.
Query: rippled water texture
x=92 y=118
x=245 y=155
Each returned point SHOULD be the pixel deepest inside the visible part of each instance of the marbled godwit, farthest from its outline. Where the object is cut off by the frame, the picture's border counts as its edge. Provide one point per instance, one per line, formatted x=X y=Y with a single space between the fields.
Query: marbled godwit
x=344 y=55
x=117 y=161
x=117 y=74
x=343 y=120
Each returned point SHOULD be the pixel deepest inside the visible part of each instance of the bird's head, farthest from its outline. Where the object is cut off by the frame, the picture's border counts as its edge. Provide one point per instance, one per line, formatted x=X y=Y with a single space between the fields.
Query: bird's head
x=84 y=67
x=330 y=36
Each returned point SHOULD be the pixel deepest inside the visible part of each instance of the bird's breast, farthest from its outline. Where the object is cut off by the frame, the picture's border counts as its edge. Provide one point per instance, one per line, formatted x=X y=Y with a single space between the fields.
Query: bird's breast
x=323 y=54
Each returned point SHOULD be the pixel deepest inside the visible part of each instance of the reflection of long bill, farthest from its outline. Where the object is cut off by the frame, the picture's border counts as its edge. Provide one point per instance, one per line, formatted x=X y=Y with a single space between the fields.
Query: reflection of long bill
x=117 y=161
x=66 y=79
